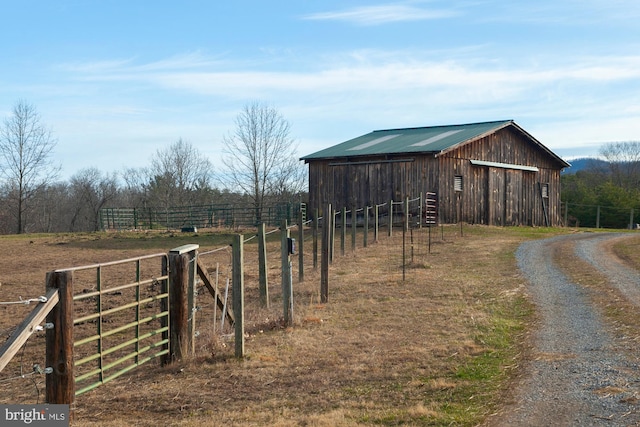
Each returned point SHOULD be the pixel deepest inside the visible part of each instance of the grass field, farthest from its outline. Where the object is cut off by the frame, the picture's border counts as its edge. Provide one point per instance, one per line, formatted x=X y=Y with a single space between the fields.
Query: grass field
x=438 y=347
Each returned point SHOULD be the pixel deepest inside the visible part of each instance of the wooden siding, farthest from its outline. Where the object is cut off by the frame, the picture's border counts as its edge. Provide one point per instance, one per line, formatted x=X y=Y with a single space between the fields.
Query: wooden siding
x=370 y=181
x=500 y=196
x=490 y=195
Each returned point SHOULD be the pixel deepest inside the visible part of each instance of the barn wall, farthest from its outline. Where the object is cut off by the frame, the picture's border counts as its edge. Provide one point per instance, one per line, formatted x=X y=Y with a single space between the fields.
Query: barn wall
x=498 y=196
x=370 y=181
x=493 y=196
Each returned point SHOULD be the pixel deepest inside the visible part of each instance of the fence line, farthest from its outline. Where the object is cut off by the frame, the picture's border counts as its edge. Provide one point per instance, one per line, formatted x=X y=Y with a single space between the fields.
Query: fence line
x=28 y=326
x=163 y=290
x=598 y=216
x=198 y=216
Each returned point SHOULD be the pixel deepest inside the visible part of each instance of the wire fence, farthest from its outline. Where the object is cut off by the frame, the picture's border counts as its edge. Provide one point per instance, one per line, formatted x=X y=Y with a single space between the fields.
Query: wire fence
x=23 y=373
x=401 y=226
x=595 y=216
x=193 y=217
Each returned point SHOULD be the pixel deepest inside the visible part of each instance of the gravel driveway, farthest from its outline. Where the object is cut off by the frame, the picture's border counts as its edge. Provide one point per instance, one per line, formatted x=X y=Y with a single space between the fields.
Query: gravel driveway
x=576 y=376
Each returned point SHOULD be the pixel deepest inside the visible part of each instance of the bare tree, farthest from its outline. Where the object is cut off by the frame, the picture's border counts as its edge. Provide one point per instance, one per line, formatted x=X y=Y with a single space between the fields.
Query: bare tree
x=25 y=149
x=260 y=155
x=91 y=190
x=624 y=162
x=178 y=174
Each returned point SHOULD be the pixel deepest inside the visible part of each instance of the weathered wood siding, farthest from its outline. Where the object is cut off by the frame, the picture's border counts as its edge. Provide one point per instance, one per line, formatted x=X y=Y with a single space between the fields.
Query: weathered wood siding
x=490 y=195
x=370 y=181
x=499 y=196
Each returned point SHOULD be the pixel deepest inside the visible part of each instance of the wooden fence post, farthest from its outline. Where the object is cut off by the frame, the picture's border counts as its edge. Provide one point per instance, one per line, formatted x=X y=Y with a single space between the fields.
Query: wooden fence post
x=390 y=217
x=406 y=214
x=262 y=265
x=332 y=239
x=182 y=301
x=366 y=227
x=354 y=227
x=300 y=248
x=420 y=209
x=343 y=230
x=165 y=359
x=376 y=223
x=287 y=302
x=316 y=220
x=238 y=292
x=324 y=259
x=60 y=384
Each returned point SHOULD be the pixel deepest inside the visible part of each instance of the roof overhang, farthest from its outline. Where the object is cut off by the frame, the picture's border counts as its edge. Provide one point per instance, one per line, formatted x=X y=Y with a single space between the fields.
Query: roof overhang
x=504 y=165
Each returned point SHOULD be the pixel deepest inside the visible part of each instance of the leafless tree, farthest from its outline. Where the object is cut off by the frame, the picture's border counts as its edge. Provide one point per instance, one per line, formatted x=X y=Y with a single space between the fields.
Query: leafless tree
x=178 y=175
x=624 y=162
x=259 y=156
x=91 y=190
x=25 y=149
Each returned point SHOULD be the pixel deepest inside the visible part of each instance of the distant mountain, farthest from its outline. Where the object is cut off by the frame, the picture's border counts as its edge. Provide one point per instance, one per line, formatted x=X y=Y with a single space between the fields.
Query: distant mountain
x=585 y=163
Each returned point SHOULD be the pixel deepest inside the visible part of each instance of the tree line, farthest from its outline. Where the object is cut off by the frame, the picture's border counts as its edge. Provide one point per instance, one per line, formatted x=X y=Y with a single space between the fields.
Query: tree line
x=260 y=168
x=612 y=183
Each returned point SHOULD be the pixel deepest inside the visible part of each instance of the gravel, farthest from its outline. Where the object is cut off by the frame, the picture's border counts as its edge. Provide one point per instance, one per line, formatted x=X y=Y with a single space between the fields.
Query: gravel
x=576 y=376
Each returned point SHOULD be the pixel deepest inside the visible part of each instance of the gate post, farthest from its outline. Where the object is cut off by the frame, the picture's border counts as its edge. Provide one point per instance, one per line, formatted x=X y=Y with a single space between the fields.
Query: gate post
x=60 y=384
x=182 y=301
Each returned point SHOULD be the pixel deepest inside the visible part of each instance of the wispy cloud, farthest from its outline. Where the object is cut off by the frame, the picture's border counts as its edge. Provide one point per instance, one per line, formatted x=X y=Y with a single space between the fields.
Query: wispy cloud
x=188 y=60
x=369 y=72
x=382 y=14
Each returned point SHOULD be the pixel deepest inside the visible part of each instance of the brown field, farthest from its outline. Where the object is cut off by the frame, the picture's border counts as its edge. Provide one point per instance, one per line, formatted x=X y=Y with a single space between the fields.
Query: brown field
x=437 y=348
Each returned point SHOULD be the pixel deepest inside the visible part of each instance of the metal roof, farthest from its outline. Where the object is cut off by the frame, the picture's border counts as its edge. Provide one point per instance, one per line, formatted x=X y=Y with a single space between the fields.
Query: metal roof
x=434 y=139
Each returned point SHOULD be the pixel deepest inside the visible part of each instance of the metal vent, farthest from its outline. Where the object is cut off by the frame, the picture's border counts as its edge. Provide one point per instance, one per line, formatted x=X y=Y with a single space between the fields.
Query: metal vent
x=457 y=183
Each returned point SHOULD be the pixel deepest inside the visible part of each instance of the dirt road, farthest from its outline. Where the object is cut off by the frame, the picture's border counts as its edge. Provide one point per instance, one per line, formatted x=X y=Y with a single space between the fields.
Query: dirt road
x=577 y=374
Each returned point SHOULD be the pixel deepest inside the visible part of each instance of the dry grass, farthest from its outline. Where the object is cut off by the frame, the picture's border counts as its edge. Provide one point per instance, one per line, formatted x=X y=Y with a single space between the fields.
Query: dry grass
x=629 y=251
x=437 y=348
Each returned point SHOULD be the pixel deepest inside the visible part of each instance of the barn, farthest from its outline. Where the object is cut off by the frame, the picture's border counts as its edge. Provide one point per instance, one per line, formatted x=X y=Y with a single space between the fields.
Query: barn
x=492 y=173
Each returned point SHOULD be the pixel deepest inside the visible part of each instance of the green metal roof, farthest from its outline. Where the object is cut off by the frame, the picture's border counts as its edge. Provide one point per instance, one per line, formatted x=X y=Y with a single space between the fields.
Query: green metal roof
x=434 y=139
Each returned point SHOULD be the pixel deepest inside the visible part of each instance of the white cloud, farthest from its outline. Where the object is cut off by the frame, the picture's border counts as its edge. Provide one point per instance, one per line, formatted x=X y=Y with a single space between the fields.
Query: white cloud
x=382 y=14
x=564 y=102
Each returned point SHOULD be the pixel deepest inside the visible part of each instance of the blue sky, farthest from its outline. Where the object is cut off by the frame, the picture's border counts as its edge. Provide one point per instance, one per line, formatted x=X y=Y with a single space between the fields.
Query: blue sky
x=116 y=80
